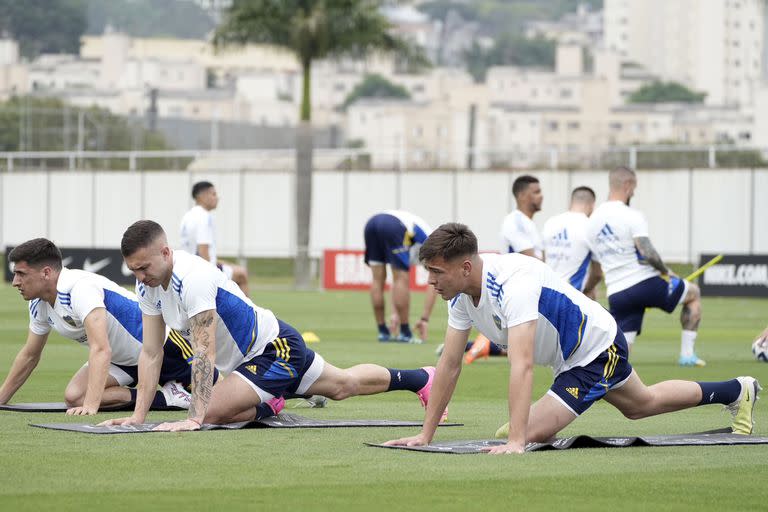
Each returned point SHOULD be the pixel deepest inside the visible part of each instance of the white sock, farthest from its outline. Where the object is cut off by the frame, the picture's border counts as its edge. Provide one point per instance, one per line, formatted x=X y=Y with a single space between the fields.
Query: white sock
x=687 y=341
x=630 y=337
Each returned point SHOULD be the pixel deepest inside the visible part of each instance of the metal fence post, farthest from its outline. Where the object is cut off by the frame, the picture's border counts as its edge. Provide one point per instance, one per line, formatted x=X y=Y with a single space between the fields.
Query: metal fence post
x=712 y=159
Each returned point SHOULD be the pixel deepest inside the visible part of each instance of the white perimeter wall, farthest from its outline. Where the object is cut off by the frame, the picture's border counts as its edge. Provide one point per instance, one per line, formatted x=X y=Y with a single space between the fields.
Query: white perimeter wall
x=689 y=211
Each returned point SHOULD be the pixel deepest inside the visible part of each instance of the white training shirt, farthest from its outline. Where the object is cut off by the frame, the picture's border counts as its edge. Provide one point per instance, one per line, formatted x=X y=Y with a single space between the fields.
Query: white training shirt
x=519 y=233
x=77 y=294
x=197 y=228
x=571 y=329
x=242 y=328
x=416 y=232
x=566 y=249
x=611 y=232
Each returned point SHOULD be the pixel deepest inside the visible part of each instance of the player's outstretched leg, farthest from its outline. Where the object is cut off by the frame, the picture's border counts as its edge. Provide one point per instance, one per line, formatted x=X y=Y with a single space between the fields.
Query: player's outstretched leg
x=371 y=379
x=636 y=400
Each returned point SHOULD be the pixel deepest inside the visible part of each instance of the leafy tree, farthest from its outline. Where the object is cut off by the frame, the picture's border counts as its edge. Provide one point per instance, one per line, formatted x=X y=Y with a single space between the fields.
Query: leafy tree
x=150 y=18
x=376 y=86
x=499 y=16
x=44 y=26
x=666 y=92
x=48 y=124
x=510 y=50
x=312 y=29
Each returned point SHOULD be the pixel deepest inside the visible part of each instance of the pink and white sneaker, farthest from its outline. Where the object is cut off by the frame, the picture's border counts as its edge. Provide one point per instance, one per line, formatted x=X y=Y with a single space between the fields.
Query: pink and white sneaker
x=276 y=404
x=424 y=392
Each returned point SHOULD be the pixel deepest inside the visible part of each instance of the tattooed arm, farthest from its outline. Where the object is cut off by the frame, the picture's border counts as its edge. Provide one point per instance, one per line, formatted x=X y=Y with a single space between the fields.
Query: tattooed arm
x=203 y=327
x=204 y=346
x=648 y=252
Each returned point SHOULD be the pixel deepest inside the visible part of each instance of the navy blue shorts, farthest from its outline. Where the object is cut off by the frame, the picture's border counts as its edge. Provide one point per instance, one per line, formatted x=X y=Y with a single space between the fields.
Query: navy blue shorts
x=385 y=242
x=287 y=365
x=177 y=363
x=628 y=306
x=580 y=387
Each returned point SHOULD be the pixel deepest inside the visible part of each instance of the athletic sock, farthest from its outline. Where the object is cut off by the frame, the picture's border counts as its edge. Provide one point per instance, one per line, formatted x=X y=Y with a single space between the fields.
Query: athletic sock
x=158 y=401
x=405 y=330
x=469 y=346
x=383 y=329
x=411 y=380
x=725 y=392
x=495 y=350
x=263 y=411
x=687 y=341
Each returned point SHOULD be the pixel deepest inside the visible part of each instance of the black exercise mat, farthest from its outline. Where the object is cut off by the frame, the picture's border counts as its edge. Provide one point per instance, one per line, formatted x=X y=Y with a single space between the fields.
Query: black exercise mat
x=62 y=407
x=478 y=446
x=283 y=420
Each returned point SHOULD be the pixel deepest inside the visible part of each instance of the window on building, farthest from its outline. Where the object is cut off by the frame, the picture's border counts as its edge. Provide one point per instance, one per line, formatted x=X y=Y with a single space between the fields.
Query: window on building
x=553 y=126
x=362 y=118
x=574 y=125
x=339 y=87
x=512 y=126
x=745 y=135
x=566 y=93
x=418 y=88
x=615 y=126
x=417 y=131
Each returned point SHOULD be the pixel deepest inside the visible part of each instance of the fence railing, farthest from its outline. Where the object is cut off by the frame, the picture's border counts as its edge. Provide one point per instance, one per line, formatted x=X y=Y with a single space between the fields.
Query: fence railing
x=391 y=158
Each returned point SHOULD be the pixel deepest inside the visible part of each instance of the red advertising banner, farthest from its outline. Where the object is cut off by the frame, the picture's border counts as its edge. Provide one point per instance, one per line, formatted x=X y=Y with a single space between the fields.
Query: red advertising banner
x=345 y=269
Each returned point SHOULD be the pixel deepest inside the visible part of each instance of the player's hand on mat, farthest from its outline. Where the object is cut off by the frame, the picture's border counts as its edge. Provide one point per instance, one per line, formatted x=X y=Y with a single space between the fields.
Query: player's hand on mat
x=418 y=440
x=82 y=411
x=421 y=329
x=131 y=420
x=178 y=426
x=504 y=449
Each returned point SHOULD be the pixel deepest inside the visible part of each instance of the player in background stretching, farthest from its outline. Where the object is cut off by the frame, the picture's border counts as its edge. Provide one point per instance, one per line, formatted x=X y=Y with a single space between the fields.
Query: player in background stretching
x=198 y=232
x=635 y=274
x=565 y=243
x=394 y=237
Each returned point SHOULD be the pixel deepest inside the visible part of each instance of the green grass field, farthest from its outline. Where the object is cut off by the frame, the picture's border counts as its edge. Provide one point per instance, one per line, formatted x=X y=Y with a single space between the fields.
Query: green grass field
x=317 y=469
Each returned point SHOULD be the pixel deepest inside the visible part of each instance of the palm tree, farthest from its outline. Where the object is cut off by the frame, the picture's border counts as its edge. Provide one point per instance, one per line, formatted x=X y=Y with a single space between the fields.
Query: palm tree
x=312 y=29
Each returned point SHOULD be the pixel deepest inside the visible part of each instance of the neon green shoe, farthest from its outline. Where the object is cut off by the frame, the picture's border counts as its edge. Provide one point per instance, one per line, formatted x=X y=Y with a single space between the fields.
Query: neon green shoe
x=742 y=408
x=503 y=431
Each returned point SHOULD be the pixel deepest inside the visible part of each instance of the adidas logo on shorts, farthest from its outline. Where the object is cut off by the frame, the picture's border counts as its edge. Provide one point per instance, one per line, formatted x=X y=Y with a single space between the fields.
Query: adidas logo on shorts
x=573 y=391
x=252 y=368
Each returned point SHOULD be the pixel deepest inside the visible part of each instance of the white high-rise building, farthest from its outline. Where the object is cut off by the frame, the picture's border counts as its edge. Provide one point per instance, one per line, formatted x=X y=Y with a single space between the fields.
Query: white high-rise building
x=712 y=46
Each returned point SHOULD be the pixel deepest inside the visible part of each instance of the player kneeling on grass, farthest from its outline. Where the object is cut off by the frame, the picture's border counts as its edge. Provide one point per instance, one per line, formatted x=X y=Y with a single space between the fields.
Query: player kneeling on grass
x=519 y=302
x=265 y=357
x=95 y=312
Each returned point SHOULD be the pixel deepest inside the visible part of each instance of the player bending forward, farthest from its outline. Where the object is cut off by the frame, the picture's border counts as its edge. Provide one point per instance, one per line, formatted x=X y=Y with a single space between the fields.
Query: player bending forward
x=520 y=303
x=265 y=358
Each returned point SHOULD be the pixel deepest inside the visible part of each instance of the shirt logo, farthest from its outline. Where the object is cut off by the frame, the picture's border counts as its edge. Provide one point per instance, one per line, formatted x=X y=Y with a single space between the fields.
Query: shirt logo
x=70 y=321
x=606 y=234
x=252 y=368
x=497 y=321
x=159 y=305
x=50 y=321
x=573 y=391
